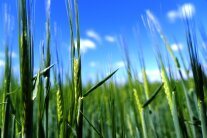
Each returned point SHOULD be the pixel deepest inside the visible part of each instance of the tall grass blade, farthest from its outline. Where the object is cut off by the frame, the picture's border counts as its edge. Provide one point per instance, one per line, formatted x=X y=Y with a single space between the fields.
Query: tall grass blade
x=47 y=64
x=99 y=84
x=26 y=66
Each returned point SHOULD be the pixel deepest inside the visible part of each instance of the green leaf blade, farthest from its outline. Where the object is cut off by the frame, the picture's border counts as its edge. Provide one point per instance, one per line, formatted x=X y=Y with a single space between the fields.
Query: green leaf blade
x=99 y=84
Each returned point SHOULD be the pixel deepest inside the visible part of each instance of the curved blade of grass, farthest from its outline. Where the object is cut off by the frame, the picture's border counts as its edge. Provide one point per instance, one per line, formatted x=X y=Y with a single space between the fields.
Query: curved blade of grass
x=43 y=72
x=99 y=84
x=153 y=96
x=91 y=124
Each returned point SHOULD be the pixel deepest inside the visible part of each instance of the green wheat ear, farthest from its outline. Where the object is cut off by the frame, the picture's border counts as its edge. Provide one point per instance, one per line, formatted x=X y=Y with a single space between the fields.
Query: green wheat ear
x=59 y=106
x=167 y=87
x=141 y=112
x=75 y=69
x=60 y=112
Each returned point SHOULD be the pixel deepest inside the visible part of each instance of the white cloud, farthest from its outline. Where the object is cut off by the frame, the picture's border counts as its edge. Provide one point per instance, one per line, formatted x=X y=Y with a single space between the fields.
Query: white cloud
x=172 y=15
x=119 y=64
x=121 y=80
x=187 y=10
x=110 y=39
x=93 y=34
x=86 y=44
x=153 y=75
x=175 y=47
x=92 y=64
x=2 y=63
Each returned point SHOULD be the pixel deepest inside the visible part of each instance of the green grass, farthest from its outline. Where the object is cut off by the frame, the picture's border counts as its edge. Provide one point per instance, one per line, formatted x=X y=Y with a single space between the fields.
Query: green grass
x=26 y=68
x=36 y=106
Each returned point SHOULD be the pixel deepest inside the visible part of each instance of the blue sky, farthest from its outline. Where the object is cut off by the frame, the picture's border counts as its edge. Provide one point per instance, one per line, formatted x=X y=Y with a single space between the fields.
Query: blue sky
x=102 y=23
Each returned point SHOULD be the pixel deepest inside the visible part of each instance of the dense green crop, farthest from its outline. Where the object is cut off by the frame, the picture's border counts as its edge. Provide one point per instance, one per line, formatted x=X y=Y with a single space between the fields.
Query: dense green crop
x=42 y=105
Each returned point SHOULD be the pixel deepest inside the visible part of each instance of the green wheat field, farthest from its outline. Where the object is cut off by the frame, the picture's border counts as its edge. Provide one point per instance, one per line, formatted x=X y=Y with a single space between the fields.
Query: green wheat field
x=45 y=105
